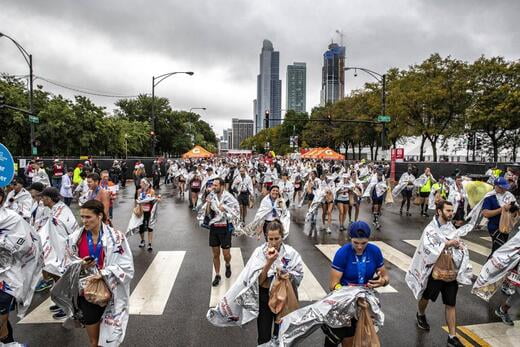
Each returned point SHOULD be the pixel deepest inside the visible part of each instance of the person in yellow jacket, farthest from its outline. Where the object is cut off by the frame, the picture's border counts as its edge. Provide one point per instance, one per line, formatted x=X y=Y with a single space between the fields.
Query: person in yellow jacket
x=425 y=190
x=441 y=188
x=76 y=178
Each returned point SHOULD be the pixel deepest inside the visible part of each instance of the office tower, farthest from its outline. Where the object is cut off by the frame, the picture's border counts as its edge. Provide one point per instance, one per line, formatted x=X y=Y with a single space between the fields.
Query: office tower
x=242 y=129
x=333 y=74
x=296 y=87
x=269 y=87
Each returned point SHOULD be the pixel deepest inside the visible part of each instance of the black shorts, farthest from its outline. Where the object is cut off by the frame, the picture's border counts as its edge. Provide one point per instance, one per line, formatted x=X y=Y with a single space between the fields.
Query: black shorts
x=7 y=303
x=459 y=214
x=377 y=200
x=297 y=189
x=219 y=237
x=335 y=335
x=195 y=190
x=309 y=196
x=344 y=202
x=90 y=313
x=146 y=222
x=424 y=194
x=243 y=199
x=406 y=193
x=448 y=291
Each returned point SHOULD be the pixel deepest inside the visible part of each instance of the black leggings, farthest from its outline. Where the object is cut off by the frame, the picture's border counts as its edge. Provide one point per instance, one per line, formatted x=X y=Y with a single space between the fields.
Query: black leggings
x=146 y=222
x=265 y=319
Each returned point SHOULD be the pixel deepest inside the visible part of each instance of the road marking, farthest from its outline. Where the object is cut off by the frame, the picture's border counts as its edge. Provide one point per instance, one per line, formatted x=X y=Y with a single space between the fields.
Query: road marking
x=475 y=247
x=310 y=289
x=329 y=250
x=237 y=265
x=487 y=238
x=153 y=290
x=476 y=266
x=394 y=256
x=474 y=337
x=40 y=314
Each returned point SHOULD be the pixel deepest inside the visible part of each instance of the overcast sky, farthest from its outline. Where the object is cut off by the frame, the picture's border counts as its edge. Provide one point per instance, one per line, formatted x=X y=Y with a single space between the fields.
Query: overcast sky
x=117 y=46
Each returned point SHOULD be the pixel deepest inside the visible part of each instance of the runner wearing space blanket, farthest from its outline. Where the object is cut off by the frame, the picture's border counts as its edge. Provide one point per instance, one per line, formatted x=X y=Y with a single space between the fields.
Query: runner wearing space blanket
x=272 y=207
x=240 y=304
x=336 y=310
x=495 y=270
x=54 y=235
x=431 y=244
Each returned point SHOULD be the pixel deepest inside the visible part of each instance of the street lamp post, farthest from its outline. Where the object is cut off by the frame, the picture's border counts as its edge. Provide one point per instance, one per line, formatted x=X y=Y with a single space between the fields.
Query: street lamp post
x=381 y=78
x=155 y=81
x=28 y=60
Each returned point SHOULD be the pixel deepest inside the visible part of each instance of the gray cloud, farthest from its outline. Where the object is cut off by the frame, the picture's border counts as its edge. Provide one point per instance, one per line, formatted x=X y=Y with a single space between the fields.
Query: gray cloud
x=116 y=46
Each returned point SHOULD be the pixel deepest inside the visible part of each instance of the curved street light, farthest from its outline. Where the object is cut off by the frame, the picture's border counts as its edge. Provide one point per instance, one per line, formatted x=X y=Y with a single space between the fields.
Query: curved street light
x=155 y=81
x=381 y=78
x=28 y=60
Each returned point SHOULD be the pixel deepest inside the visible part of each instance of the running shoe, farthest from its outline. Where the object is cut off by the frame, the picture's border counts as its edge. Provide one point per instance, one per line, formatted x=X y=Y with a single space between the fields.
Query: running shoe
x=44 y=285
x=60 y=315
x=141 y=245
x=216 y=281
x=504 y=316
x=54 y=308
x=150 y=247
x=329 y=231
x=454 y=342
x=228 y=271
x=422 y=322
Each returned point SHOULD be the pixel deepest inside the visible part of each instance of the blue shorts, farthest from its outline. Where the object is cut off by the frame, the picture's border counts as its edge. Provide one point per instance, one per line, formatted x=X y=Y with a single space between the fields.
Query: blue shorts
x=7 y=303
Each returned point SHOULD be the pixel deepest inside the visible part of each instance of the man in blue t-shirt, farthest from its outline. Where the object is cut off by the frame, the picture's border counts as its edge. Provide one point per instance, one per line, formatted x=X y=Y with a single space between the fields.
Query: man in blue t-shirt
x=356 y=263
x=492 y=210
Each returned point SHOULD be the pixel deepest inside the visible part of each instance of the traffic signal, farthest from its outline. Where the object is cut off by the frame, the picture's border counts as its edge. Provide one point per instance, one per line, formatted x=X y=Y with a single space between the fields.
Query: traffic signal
x=266 y=120
x=329 y=119
x=470 y=142
x=479 y=144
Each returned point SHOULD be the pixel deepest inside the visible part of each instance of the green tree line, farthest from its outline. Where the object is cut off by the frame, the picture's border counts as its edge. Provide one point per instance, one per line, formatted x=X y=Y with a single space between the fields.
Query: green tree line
x=80 y=127
x=435 y=100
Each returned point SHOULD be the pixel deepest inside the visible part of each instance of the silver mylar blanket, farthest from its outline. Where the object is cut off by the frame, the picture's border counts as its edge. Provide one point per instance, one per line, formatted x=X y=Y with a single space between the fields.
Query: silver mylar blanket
x=335 y=310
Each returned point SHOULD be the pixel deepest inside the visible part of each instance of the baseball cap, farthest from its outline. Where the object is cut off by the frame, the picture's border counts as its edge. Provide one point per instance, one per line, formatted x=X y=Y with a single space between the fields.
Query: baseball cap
x=359 y=229
x=38 y=186
x=51 y=192
x=502 y=183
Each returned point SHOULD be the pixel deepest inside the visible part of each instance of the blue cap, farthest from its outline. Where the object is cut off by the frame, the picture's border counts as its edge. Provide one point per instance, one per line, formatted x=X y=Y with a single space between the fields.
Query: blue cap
x=502 y=183
x=359 y=229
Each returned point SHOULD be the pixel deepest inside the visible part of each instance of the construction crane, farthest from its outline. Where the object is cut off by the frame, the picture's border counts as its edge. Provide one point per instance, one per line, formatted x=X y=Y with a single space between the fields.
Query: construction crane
x=341 y=35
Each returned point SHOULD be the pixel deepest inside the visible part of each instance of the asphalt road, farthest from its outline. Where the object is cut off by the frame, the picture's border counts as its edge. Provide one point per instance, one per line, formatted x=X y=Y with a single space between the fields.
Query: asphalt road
x=183 y=320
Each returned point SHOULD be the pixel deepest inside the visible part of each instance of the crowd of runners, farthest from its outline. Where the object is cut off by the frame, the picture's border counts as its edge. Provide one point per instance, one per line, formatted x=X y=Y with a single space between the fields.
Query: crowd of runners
x=87 y=264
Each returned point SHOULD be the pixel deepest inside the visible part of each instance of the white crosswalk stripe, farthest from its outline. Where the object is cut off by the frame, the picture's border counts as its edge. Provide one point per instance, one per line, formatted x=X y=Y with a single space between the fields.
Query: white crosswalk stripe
x=329 y=250
x=237 y=264
x=153 y=290
x=310 y=289
x=40 y=314
x=476 y=266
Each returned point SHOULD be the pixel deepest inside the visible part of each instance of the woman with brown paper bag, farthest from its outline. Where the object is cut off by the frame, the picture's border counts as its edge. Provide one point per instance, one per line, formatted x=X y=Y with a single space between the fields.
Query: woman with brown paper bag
x=277 y=289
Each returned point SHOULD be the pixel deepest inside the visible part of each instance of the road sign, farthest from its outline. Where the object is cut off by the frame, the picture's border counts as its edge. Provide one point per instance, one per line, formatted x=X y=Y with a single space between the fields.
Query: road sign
x=34 y=119
x=6 y=166
x=34 y=150
x=397 y=153
x=383 y=119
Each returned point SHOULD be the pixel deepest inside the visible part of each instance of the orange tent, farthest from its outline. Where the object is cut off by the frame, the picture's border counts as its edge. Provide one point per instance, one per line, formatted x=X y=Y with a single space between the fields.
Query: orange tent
x=197 y=152
x=329 y=154
x=311 y=154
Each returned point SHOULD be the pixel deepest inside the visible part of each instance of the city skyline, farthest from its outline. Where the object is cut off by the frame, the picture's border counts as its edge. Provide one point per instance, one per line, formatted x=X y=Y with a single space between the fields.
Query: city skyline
x=225 y=58
x=296 y=87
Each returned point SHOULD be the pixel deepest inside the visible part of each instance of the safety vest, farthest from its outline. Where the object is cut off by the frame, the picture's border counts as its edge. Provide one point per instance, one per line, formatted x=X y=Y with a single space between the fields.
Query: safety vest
x=497 y=172
x=440 y=189
x=427 y=187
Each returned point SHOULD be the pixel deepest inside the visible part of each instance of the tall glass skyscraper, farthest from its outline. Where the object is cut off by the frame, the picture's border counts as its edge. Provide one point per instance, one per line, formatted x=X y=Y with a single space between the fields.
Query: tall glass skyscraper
x=269 y=88
x=296 y=87
x=333 y=74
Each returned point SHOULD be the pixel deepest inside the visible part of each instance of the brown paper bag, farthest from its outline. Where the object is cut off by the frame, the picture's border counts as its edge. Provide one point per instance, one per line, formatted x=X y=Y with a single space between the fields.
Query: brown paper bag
x=96 y=291
x=418 y=200
x=282 y=298
x=507 y=222
x=365 y=335
x=444 y=269
x=138 y=210
x=389 y=199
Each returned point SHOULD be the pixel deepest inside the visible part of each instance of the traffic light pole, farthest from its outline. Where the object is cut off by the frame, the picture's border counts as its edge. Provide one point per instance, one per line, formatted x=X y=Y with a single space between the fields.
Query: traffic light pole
x=34 y=148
